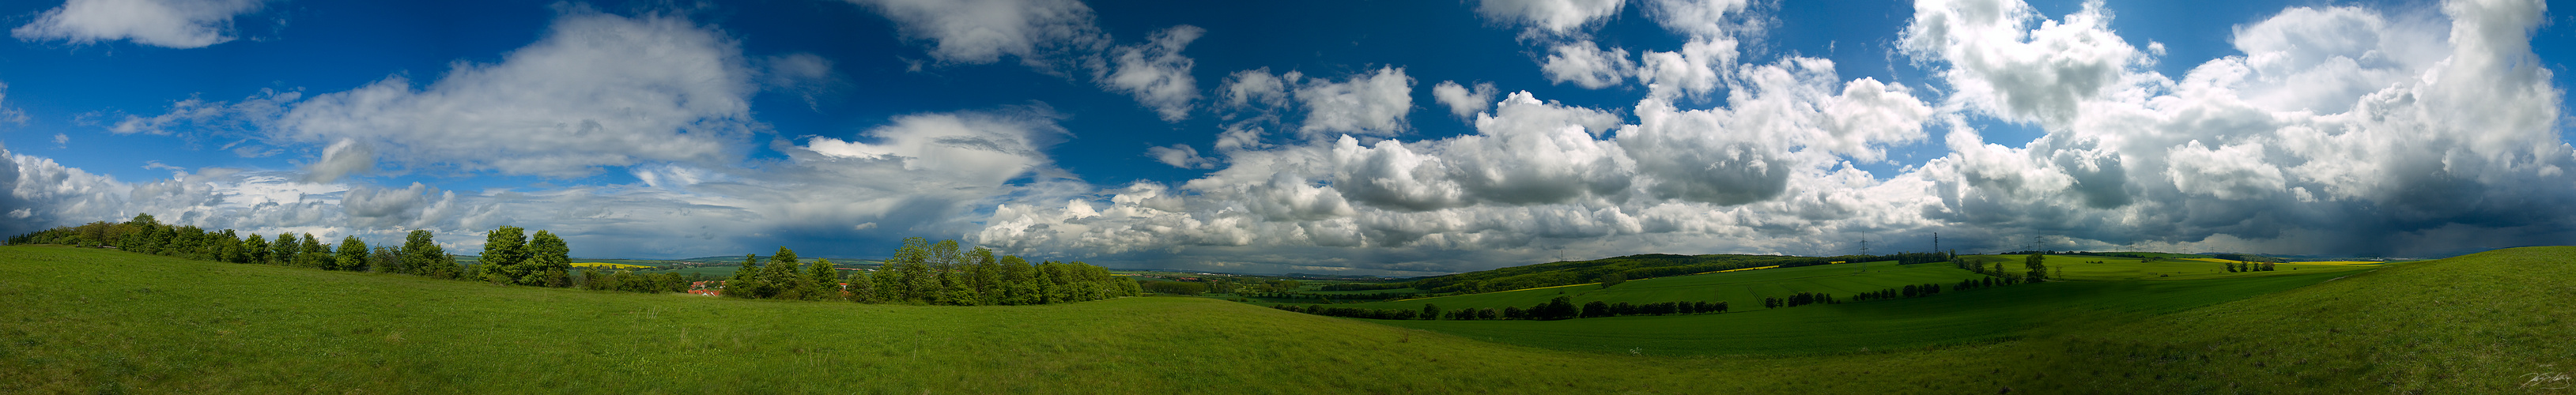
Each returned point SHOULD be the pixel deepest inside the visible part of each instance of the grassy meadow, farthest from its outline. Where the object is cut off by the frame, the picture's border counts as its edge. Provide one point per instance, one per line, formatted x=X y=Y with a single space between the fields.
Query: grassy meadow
x=101 y=321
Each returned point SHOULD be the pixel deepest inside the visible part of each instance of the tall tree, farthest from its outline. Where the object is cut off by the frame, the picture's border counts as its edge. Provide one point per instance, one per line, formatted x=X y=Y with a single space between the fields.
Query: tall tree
x=255 y=249
x=944 y=259
x=2038 y=265
x=385 y=259
x=353 y=255
x=984 y=275
x=549 y=262
x=825 y=281
x=863 y=287
x=287 y=250
x=1019 y=281
x=742 y=284
x=914 y=265
x=503 y=249
x=315 y=254
x=781 y=277
x=232 y=247
x=423 y=256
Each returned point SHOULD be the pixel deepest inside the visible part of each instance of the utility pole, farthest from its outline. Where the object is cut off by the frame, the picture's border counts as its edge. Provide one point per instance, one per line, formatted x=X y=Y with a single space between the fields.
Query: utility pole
x=1864 y=255
x=1936 y=242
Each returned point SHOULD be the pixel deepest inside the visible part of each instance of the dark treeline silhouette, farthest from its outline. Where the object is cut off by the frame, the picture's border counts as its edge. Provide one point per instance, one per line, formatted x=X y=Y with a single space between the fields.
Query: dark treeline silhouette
x=1902 y=292
x=1312 y=297
x=1902 y=258
x=1633 y=267
x=922 y=272
x=1799 y=299
x=2240 y=267
x=509 y=255
x=1365 y=286
x=1555 y=309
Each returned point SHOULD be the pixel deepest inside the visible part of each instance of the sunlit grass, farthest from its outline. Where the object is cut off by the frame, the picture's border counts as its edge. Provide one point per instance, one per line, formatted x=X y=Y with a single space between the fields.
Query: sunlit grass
x=98 y=321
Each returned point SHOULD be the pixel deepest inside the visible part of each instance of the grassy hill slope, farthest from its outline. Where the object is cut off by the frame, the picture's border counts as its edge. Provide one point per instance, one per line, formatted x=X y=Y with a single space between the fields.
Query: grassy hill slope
x=1955 y=317
x=83 y=320
x=94 y=321
x=1742 y=290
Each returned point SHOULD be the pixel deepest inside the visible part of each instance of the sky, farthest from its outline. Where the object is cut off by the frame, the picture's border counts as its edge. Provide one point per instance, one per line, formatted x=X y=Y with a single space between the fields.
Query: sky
x=1339 y=137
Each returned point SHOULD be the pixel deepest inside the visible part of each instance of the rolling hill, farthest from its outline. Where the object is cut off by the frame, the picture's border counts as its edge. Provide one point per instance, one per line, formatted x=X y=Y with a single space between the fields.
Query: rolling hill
x=100 y=321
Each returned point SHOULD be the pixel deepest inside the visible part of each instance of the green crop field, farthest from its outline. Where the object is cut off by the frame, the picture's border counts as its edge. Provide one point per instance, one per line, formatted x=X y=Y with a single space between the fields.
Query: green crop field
x=1952 y=317
x=101 y=321
x=1741 y=290
x=2083 y=268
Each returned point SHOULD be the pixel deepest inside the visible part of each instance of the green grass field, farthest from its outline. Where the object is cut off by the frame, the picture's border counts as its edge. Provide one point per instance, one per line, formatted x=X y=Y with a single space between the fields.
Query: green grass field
x=2082 y=268
x=1742 y=290
x=98 y=321
x=1955 y=317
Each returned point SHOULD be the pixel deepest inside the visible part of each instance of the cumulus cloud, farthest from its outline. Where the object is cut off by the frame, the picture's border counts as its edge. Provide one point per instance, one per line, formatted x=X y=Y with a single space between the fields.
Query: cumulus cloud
x=598 y=90
x=1248 y=87
x=1043 y=34
x=1369 y=104
x=1559 y=17
x=2338 y=130
x=1156 y=73
x=920 y=174
x=163 y=23
x=1998 y=62
x=1712 y=27
x=342 y=159
x=1585 y=64
x=2286 y=148
x=1536 y=174
x=1464 y=102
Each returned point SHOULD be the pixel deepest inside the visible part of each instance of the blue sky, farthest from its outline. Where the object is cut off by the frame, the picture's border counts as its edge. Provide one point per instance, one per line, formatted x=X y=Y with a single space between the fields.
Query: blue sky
x=1406 y=137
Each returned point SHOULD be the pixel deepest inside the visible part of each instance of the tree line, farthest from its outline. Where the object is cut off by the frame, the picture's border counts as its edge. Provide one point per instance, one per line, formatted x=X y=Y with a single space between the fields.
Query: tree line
x=510 y=256
x=1903 y=258
x=2240 y=267
x=1554 y=309
x=922 y=272
x=1365 y=286
x=1799 y=299
x=1898 y=293
x=2034 y=268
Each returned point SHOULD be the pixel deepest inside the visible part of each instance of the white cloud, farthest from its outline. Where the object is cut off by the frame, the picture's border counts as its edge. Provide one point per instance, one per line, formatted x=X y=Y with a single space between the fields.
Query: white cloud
x=1587 y=65
x=1559 y=17
x=1043 y=34
x=1181 y=156
x=1998 y=62
x=1463 y=102
x=597 y=90
x=1535 y=174
x=164 y=23
x=981 y=149
x=1156 y=73
x=1367 y=104
x=1258 y=86
x=342 y=159
x=1701 y=18
x=2338 y=130
x=2232 y=172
